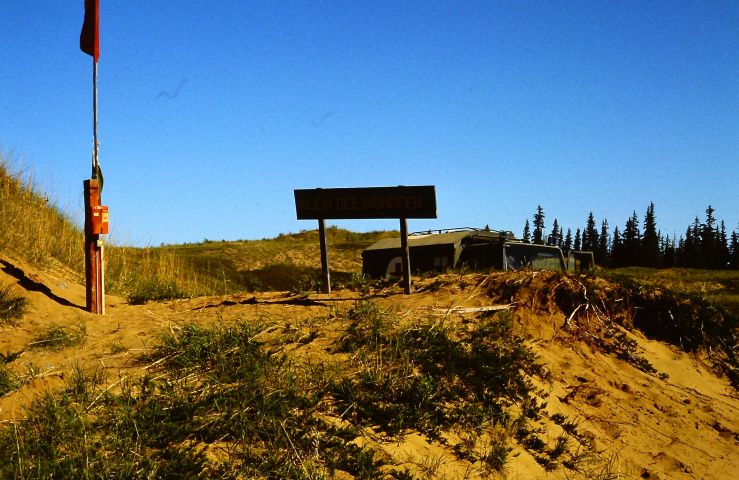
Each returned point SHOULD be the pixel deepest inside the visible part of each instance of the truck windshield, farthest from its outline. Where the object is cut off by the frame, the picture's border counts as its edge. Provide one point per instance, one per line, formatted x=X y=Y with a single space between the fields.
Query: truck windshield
x=536 y=257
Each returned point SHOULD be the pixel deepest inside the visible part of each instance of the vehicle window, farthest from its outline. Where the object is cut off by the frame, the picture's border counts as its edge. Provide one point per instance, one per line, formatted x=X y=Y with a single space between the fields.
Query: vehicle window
x=530 y=256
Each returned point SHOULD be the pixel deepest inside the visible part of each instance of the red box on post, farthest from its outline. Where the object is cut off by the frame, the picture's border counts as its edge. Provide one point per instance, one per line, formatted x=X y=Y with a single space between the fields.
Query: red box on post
x=99 y=220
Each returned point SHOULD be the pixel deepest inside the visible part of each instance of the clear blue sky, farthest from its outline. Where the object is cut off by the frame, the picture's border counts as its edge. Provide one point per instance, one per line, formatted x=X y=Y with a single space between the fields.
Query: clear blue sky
x=211 y=113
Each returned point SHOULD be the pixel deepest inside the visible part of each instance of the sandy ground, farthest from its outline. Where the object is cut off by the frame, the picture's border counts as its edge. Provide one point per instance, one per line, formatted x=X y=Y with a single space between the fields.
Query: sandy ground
x=684 y=425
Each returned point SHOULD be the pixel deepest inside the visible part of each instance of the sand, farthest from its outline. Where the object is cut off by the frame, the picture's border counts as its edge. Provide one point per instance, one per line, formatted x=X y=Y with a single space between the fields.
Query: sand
x=682 y=422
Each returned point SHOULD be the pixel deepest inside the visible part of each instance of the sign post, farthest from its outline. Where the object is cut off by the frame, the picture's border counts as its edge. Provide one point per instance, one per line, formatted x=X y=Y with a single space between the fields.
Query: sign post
x=96 y=223
x=325 y=276
x=405 y=255
x=402 y=202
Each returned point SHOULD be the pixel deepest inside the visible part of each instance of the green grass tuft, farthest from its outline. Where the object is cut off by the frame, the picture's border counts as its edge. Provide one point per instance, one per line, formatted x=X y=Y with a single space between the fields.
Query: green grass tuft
x=12 y=305
x=57 y=336
x=8 y=380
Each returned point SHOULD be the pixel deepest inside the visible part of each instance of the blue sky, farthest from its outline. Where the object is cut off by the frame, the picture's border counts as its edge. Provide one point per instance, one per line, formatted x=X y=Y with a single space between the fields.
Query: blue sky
x=211 y=113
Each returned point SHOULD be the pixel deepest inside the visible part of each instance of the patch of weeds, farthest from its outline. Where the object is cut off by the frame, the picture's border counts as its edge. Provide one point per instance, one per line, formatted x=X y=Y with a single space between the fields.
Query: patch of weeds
x=589 y=466
x=57 y=336
x=358 y=461
x=568 y=425
x=32 y=371
x=117 y=347
x=203 y=386
x=683 y=318
x=359 y=282
x=82 y=382
x=154 y=289
x=625 y=349
x=561 y=446
x=259 y=398
x=8 y=380
x=428 y=378
x=434 y=286
x=368 y=327
x=495 y=451
x=12 y=305
x=599 y=325
x=402 y=475
x=533 y=442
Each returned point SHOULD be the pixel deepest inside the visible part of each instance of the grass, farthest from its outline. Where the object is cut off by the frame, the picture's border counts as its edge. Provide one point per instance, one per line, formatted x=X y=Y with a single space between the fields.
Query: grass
x=8 y=380
x=220 y=402
x=286 y=263
x=695 y=310
x=218 y=405
x=716 y=286
x=40 y=233
x=428 y=378
x=32 y=227
x=57 y=336
x=601 y=309
x=12 y=305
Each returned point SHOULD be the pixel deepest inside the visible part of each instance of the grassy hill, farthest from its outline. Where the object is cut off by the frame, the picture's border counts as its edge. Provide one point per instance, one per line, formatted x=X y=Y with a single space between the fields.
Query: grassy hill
x=289 y=262
x=36 y=231
x=32 y=227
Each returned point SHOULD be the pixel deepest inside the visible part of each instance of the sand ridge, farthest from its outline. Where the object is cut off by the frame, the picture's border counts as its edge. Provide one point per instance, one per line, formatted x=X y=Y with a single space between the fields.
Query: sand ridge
x=680 y=422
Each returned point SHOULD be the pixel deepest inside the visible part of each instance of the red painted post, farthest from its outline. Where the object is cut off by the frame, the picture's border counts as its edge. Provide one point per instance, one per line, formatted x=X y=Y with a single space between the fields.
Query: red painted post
x=94 y=289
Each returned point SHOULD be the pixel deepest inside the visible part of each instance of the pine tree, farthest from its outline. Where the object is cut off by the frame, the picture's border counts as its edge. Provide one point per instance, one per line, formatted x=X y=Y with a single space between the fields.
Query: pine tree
x=590 y=236
x=617 y=249
x=578 y=240
x=680 y=254
x=688 y=251
x=734 y=261
x=603 y=243
x=631 y=241
x=567 y=245
x=560 y=237
x=555 y=233
x=696 y=259
x=667 y=252
x=722 y=245
x=526 y=232
x=649 y=251
x=539 y=225
x=709 y=254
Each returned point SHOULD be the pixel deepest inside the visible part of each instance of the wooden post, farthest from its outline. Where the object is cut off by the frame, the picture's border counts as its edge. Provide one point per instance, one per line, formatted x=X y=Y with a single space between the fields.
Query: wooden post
x=326 y=276
x=406 y=256
x=94 y=292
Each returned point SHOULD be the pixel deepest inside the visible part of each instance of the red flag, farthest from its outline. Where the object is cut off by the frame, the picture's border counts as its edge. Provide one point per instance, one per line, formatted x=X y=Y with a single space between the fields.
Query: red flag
x=90 y=35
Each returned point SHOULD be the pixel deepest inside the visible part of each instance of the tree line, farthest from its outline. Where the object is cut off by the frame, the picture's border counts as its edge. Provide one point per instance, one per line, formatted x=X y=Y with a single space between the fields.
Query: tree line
x=706 y=244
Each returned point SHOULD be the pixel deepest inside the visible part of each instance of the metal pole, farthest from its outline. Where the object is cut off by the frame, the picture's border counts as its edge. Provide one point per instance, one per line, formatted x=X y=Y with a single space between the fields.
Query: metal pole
x=406 y=256
x=326 y=276
x=95 y=164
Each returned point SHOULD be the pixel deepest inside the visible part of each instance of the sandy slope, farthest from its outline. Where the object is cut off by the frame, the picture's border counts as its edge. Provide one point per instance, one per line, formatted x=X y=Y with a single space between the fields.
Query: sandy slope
x=682 y=422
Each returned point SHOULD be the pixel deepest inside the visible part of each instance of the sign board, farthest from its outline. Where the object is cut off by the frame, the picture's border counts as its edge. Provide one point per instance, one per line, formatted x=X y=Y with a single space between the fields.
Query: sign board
x=370 y=202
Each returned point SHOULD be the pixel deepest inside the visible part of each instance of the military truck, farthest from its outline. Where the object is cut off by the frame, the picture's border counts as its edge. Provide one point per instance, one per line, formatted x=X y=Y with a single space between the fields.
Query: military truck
x=473 y=248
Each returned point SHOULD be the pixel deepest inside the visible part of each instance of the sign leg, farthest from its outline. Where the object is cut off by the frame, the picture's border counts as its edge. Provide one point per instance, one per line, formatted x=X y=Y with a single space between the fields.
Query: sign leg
x=406 y=256
x=325 y=275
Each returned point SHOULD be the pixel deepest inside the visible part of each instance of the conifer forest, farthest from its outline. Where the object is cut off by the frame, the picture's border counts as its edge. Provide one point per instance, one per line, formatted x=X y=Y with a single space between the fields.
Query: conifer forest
x=705 y=244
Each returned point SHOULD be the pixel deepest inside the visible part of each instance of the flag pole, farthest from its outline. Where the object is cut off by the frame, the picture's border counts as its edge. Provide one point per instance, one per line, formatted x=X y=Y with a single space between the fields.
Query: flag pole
x=99 y=283
x=95 y=164
x=96 y=216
